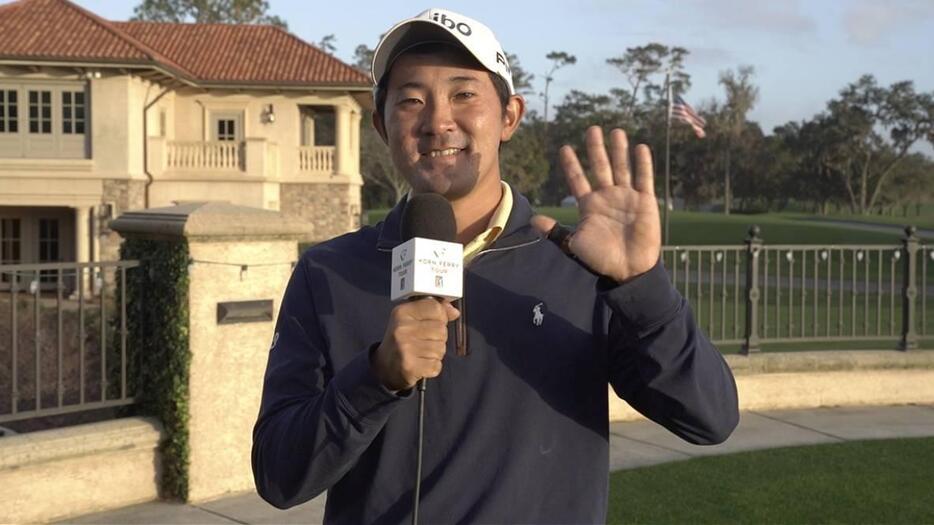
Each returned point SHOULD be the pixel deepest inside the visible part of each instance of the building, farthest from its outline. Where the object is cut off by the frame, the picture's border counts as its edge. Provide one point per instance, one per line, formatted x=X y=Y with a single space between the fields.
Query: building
x=99 y=117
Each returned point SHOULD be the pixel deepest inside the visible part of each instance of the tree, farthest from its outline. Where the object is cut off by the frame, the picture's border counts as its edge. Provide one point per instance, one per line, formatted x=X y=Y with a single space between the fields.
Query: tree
x=558 y=59
x=741 y=96
x=383 y=186
x=521 y=79
x=363 y=58
x=207 y=12
x=328 y=43
x=873 y=129
x=644 y=65
x=524 y=161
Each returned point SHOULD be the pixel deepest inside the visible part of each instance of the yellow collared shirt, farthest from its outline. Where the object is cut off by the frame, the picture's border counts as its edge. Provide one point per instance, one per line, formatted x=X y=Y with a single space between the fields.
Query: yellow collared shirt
x=495 y=228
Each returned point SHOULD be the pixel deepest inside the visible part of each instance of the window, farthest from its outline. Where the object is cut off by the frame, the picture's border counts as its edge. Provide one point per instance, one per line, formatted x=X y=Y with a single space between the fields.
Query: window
x=73 y=112
x=10 y=242
x=318 y=125
x=9 y=111
x=48 y=247
x=48 y=240
x=40 y=112
x=226 y=129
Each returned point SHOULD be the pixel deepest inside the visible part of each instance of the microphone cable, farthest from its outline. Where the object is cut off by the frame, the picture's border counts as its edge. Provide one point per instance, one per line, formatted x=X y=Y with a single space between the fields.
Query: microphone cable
x=422 y=385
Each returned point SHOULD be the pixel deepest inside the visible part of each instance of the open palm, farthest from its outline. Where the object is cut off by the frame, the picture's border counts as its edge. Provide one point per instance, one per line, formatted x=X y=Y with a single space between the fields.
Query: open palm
x=619 y=233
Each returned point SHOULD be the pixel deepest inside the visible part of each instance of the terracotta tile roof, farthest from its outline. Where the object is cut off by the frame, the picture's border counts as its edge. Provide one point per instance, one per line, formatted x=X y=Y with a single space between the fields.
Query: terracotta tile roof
x=243 y=53
x=57 y=30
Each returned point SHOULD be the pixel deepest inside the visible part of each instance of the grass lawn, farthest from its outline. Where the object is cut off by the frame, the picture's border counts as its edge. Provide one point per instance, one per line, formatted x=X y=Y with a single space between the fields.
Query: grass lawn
x=890 y=481
x=920 y=221
x=689 y=228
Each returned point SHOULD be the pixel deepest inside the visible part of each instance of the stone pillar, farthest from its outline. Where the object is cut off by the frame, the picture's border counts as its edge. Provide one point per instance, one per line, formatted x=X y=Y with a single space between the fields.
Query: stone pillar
x=96 y=233
x=342 y=154
x=82 y=245
x=237 y=255
x=255 y=153
x=355 y=117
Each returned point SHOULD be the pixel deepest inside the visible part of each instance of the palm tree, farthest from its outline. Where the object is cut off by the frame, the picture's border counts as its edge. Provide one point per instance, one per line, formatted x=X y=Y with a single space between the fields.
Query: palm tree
x=741 y=96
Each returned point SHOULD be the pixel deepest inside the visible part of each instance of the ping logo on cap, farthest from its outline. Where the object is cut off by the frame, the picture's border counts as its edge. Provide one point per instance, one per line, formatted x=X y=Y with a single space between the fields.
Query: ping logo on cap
x=461 y=27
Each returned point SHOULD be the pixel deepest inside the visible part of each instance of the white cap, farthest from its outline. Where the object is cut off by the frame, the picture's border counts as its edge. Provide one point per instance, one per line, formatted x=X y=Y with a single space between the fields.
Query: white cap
x=441 y=25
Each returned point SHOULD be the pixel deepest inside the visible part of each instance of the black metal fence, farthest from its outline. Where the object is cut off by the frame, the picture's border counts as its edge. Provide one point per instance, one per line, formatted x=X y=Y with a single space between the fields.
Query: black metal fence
x=754 y=294
x=63 y=338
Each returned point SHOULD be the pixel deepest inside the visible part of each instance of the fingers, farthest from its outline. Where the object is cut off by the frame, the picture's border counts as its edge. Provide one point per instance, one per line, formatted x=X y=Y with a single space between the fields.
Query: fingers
x=451 y=312
x=423 y=309
x=619 y=155
x=573 y=172
x=599 y=162
x=645 y=179
x=615 y=169
x=414 y=343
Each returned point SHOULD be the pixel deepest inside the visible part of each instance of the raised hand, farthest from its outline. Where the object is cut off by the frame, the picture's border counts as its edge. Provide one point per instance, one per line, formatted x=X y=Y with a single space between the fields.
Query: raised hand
x=619 y=233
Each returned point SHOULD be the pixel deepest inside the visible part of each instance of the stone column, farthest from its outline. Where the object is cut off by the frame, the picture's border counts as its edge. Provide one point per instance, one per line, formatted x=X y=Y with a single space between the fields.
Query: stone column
x=82 y=245
x=241 y=259
x=355 y=117
x=342 y=154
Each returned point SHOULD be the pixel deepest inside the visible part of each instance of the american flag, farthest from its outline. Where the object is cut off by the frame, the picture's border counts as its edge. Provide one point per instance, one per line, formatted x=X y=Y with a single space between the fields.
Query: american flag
x=683 y=111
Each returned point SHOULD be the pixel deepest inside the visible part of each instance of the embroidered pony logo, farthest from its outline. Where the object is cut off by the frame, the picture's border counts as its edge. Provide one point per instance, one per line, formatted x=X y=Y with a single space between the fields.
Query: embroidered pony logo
x=537 y=315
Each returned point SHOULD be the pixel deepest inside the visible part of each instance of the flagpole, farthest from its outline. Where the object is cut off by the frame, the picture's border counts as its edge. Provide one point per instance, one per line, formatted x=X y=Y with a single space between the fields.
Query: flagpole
x=667 y=198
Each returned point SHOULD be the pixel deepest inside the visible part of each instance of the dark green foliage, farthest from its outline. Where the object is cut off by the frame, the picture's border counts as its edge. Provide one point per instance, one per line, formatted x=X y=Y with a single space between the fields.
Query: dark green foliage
x=207 y=12
x=158 y=347
x=523 y=161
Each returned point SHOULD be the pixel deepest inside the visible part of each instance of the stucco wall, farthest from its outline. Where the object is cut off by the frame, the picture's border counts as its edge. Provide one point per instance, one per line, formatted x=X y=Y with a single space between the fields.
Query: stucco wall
x=822 y=379
x=228 y=361
x=55 y=474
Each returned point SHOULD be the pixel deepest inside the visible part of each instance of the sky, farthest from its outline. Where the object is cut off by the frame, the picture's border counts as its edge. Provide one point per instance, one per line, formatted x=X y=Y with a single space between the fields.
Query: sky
x=803 y=52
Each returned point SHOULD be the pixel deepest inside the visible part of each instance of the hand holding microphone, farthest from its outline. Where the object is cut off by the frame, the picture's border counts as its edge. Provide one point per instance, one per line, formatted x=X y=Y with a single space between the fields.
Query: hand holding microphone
x=427 y=272
x=414 y=343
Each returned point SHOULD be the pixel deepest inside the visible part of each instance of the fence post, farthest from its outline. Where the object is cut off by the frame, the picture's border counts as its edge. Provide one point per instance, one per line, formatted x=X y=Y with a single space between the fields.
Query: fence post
x=909 y=339
x=753 y=249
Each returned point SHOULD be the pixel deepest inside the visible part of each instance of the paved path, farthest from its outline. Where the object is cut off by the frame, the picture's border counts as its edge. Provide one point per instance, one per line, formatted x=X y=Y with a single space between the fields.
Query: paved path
x=632 y=444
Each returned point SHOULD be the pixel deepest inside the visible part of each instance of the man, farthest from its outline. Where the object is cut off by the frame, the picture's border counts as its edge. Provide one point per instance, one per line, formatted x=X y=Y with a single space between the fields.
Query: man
x=517 y=430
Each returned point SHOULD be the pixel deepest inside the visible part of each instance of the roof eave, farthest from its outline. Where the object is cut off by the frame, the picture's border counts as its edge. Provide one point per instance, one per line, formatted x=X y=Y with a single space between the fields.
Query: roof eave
x=283 y=86
x=97 y=64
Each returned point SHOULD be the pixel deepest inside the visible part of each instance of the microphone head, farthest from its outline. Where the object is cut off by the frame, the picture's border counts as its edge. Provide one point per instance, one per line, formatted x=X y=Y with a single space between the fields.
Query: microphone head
x=429 y=216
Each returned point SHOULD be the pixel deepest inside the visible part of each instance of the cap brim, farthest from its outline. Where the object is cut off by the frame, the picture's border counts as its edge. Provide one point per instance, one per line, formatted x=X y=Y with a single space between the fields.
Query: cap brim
x=405 y=35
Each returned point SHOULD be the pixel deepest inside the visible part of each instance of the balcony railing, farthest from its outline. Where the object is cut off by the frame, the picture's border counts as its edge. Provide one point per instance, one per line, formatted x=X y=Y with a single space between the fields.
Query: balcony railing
x=222 y=155
x=253 y=158
x=318 y=159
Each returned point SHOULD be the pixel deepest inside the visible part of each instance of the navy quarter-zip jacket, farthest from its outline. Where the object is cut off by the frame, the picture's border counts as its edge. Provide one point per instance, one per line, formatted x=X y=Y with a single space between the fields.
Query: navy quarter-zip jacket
x=517 y=430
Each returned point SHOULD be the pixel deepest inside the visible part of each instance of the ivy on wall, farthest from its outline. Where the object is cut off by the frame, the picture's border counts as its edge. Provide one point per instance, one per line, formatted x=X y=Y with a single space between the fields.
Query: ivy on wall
x=159 y=357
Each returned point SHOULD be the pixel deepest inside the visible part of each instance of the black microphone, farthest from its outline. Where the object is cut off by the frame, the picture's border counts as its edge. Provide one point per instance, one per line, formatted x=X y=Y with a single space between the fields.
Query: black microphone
x=428 y=263
x=429 y=216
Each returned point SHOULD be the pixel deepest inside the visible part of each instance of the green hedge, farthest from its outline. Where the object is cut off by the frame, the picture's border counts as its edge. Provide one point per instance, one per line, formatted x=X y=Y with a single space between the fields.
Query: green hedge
x=159 y=357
